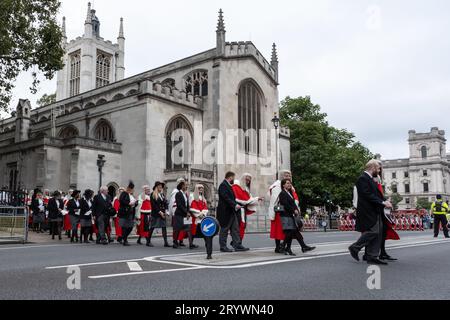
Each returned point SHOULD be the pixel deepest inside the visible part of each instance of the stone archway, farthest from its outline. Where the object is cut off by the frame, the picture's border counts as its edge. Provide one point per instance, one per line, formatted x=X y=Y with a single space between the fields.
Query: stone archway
x=113 y=188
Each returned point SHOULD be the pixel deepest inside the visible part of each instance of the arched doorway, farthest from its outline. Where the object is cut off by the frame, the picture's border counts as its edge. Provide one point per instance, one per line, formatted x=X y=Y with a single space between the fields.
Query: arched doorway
x=112 y=189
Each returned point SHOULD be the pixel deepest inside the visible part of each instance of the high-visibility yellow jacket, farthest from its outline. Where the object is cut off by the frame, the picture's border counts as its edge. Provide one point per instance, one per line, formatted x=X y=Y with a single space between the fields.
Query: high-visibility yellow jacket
x=444 y=209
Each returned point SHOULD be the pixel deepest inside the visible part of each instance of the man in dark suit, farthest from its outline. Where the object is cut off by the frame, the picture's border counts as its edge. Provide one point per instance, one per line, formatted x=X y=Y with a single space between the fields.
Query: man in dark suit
x=101 y=210
x=228 y=215
x=369 y=213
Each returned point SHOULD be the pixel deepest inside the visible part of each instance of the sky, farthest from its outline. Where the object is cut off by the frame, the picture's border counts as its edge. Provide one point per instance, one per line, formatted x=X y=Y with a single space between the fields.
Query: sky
x=377 y=68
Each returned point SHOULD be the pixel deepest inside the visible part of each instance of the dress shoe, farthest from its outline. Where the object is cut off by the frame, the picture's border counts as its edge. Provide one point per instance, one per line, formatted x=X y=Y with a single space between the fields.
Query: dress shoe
x=209 y=257
x=354 y=253
x=241 y=248
x=193 y=246
x=308 y=248
x=225 y=250
x=375 y=261
x=387 y=257
x=289 y=252
x=167 y=245
x=182 y=244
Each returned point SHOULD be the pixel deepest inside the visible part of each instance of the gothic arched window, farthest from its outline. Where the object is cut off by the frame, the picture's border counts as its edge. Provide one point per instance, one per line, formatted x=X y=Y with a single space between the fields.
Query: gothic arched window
x=178 y=143
x=250 y=102
x=68 y=132
x=196 y=83
x=103 y=69
x=74 y=81
x=424 y=152
x=104 y=131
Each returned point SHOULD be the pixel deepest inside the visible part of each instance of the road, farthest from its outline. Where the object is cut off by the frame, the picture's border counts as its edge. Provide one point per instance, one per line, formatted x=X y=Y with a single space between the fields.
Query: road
x=39 y=271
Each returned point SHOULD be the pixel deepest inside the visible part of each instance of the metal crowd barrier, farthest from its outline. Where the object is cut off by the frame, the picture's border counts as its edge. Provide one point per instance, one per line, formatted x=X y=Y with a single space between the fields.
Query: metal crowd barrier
x=13 y=224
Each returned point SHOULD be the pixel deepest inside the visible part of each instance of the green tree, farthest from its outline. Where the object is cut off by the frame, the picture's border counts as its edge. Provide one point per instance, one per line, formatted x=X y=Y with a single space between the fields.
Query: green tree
x=325 y=161
x=395 y=200
x=30 y=39
x=423 y=203
x=46 y=99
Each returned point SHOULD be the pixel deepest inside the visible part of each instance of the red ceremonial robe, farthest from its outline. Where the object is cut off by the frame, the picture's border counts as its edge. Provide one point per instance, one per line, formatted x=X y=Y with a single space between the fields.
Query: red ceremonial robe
x=117 y=227
x=66 y=221
x=146 y=208
x=276 y=227
x=196 y=207
x=242 y=196
x=391 y=234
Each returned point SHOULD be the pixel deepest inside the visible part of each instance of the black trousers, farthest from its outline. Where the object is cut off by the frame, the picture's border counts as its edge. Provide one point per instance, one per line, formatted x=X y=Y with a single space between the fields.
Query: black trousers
x=442 y=219
x=164 y=234
x=55 y=227
x=102 y=223
x=371 y=240
x=125 y=233
x=233 y=228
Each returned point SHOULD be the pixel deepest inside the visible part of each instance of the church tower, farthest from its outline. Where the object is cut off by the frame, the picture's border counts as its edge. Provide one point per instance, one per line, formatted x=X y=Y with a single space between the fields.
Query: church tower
x=90 y=61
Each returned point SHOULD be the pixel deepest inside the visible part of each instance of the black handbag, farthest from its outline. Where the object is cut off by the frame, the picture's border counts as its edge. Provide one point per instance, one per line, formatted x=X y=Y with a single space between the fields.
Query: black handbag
x=298 y=222
x=111 y=212
x=278 y=207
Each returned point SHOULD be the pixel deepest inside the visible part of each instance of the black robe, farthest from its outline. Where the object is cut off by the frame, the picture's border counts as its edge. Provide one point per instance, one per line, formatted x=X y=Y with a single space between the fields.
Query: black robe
x=226 y=207
x=370 y=203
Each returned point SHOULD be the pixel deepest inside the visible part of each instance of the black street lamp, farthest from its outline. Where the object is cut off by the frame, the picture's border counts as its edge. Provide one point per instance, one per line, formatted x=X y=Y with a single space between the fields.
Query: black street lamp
x=100 y=164
x=276 y=125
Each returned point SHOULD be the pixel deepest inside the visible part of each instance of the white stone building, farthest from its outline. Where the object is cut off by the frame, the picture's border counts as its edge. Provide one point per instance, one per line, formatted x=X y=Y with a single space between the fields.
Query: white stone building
x=424 y=174
x=130 y=121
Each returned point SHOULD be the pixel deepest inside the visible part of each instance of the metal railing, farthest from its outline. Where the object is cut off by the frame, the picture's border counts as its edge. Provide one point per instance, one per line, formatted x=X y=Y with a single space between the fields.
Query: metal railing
x=13 y=224
x=13 y=198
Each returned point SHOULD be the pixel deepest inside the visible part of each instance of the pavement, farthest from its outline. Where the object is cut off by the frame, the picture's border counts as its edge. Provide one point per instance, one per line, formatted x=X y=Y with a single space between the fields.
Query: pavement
x=45 y=270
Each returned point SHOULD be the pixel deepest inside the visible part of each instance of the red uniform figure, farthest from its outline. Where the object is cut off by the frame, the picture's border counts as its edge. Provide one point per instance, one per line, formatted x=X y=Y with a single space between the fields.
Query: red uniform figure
x=244 y=198
x=143 y=214
x=116 y=205
x=66 y=218
x=199 y=210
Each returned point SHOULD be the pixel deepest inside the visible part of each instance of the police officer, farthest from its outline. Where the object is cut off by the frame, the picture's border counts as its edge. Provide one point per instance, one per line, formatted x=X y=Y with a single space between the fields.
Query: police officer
x=439 y=209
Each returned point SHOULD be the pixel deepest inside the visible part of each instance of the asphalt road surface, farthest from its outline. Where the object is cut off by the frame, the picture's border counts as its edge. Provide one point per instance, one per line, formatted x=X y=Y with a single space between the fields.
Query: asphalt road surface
x=40 y=271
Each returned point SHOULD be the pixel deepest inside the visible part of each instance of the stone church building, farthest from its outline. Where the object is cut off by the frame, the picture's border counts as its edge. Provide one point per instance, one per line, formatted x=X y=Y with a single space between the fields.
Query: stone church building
x=129 y=121
x=425 y=174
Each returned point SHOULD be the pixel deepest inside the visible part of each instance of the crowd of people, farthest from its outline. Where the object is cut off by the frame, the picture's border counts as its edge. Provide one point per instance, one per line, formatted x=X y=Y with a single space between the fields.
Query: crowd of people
x=83 y=215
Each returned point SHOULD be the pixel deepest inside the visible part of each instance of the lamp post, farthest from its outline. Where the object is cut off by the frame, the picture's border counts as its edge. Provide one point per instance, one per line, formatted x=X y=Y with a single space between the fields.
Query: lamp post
x=100 y=164
x=276 y=125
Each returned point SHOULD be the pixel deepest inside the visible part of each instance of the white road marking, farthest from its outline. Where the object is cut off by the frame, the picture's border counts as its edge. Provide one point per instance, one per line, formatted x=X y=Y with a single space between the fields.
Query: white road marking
x=134 y=266
x=143 y=272
x=243 y=265
x=160 y=258
x=92 y=263
x=37 y=246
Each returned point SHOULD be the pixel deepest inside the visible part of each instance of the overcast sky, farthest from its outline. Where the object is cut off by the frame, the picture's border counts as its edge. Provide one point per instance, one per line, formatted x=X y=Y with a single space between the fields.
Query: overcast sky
x=377 y=68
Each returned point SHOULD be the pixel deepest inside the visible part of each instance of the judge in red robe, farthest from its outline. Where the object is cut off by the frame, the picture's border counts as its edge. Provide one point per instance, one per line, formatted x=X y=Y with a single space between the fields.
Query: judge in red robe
x=276 y=227
x=143 y=214
x=66 y=220
x=244 y=198
x=388 y=232
x=116 y=205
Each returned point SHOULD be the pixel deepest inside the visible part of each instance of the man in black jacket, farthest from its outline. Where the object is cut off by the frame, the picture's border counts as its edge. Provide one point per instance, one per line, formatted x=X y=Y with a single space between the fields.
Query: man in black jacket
x=369 y=213
x=228 y=215
x=101 y=210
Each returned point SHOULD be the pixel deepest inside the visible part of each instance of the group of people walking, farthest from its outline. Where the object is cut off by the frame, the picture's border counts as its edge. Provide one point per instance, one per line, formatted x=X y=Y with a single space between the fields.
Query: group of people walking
x=92 y=213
